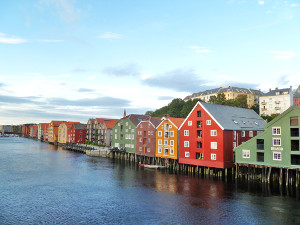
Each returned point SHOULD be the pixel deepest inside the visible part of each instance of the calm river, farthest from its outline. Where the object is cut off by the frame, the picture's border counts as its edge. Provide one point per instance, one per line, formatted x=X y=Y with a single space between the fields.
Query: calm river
x=40 y=184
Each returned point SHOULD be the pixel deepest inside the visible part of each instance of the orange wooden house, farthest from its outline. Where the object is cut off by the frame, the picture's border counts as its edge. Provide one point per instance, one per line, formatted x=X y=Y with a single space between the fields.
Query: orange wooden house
x=53 y=131
x=167 y=137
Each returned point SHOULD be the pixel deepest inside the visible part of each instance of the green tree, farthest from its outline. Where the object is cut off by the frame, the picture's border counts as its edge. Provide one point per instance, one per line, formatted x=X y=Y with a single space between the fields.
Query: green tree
x=255 y=107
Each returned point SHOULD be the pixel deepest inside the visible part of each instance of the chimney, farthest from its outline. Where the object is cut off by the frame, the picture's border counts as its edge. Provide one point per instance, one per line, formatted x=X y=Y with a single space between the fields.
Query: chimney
x=124 y=112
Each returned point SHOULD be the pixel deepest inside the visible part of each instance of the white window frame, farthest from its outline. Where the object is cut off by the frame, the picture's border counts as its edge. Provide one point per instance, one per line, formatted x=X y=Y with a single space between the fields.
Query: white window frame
x=190 y=123
x=187 y=154
x=171 y=142
x=213 y=156
x=159 y=150
x=171 y=151
x=213 y=132
x=275 y=156
x=159 y=141
x=171 y=133
x=148 y=149
x=250 y=133
x=165 y=142
x=141 y=139
x=208 y=122
x=213 y=145
x=141 y=148
x=275 y=130
x=149 y=132
x=274 y=140
x=245 y=154
x=186 y=133
x=159 y=133
x=243 y=134
x=186 y=144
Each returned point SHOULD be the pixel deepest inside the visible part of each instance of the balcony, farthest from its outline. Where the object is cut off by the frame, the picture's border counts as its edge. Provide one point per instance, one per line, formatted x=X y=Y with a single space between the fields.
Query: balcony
x=263 y=109
x=277 y=108
x=263 y=103
x=277 y=102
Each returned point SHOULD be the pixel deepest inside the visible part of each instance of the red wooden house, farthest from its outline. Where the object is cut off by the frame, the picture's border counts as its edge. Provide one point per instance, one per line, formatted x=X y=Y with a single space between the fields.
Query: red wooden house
x=146 y=136
x=210 y=132
x=77 y=133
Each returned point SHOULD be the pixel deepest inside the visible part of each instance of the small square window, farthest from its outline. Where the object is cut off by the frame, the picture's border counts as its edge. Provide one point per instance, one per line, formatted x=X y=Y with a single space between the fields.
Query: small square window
x=213 y=133
x=246 y=154
x=186 y=132
x=189 y=123
x=186 y=144
x=276 y=130
x=171 y=133
x=213 y=156
x=276 y=141
x=165 y=142
x=277 y=156
x=208 y=122
x=187 y=154
x=213 y=145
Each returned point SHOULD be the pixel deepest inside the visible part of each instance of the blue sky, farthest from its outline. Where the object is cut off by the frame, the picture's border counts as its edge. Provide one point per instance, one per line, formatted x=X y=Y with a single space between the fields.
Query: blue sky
x=73 y=60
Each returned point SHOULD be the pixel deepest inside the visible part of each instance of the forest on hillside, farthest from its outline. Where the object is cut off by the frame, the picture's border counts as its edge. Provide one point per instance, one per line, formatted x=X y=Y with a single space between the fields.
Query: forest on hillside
x=179 y=108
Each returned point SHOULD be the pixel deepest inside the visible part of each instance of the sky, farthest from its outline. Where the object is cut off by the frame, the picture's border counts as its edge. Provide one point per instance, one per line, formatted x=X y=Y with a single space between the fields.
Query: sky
x=74 y=60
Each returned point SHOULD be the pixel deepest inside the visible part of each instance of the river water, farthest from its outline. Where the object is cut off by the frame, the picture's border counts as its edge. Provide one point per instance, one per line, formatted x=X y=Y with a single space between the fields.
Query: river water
x=42 y=184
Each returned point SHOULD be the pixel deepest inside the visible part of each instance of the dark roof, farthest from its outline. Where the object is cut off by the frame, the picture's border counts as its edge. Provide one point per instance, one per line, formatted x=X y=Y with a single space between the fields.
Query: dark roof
x=234 y=118
x=281 y=91
x=79 y=126
x=155 y=121
x=136 y=119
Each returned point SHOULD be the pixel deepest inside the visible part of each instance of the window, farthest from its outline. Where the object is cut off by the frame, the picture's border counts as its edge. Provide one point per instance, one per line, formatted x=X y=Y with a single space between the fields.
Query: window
x=276 y=141
x=152 y=132
x=126 y=136
x=116 y=136
x=159 y=141
x=199 y=144
x=208 y=122
x=186 y=144
x=172 y=151
x=126 y=130
x=132 y=130
x=246 y=154
x=141 y=126
x=250 y=133
x=148 y=124
x=260 y=157
x=199 y=133
x=132 y=136
x=126 y=123
x=187 y=154
x=277 y=156
x=199 y=155
x=139 y=132
x=121 y=128
x=199 y=124
x=294 y=132
x=234 y=144
x=141 y=148
x=213 y=145
x=149 y=140
x=198 y=113
x=171 y=133
x=166 y=151
x=243 y=133
x=159 y=133
x=116 y=130
x=149 y=132
x=148 y=149
x=213 y=156
x=129 y=127
x=234 y=135
x=213 y=133
x=260 y=144
x=276 y=130
x=159 y=150
x=141 y=139
x=166 y=142
x=172 y=142
x=189 y=123
x=294 y=121
x=166 y=134
x=295 y=145
x=186 y=132
x=170 y=126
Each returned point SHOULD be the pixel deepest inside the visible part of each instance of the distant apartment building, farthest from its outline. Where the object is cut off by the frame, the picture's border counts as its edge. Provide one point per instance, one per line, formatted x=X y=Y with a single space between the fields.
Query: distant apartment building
x=41 y=130
x=297 y=97
x=276 y=101
x=229 y=92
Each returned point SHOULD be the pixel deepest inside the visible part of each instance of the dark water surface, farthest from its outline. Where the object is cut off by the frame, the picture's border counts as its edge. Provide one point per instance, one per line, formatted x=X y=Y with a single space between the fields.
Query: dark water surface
x=40 y=184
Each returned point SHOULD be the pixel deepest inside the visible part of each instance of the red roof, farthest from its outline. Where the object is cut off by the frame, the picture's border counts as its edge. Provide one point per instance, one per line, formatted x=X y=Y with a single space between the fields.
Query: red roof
x=110 y=123
x=56 y=123
x=177 y=121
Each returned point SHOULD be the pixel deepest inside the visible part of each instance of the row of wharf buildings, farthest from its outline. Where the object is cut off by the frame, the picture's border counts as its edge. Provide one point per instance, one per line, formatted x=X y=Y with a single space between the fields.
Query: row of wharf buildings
x=213 y=136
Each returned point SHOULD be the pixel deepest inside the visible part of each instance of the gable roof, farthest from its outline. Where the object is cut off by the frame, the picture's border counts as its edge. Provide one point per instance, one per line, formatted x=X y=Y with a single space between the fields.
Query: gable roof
x=291 y=108
x=177 y=122
x=110 y=123
x=136 y=119
x=281 y=91
x=79 y=126
x=232 y=118
x=56 y=123
x=155 y=121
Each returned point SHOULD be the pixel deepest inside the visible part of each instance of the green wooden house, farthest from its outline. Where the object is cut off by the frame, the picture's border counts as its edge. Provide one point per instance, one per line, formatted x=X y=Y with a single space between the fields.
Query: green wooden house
x=277 y=146
x=124 y=132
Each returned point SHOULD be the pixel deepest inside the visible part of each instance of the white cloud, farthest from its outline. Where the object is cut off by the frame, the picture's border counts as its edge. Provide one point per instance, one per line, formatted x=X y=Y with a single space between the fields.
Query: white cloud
x=295 y=5
x=283 y=54
x=203 y=51
x=109 y=35
x=260 y=2
x=11 y=40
